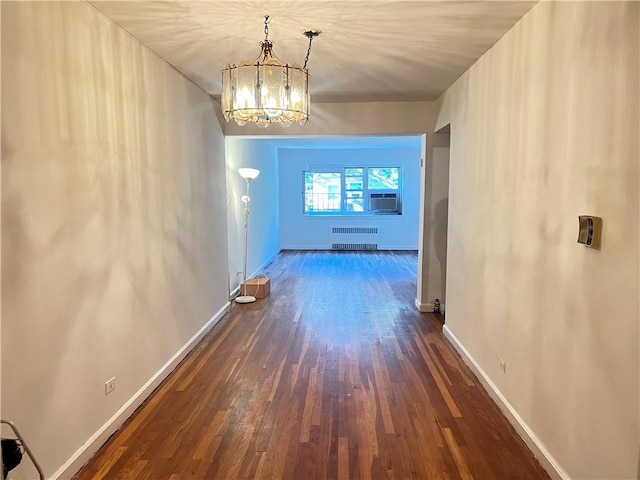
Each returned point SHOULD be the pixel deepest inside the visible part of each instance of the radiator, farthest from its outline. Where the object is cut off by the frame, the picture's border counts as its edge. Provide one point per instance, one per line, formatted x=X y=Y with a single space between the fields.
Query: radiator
x=369 y=230
x=338 y=244
x=354 y=246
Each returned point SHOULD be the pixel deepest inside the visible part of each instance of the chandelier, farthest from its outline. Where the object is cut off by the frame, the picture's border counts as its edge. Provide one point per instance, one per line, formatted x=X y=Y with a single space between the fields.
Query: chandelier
x=266 y=90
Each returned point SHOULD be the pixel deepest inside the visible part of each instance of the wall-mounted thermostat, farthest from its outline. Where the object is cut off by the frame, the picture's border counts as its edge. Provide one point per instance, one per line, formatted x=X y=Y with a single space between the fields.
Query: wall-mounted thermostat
x=589 y=229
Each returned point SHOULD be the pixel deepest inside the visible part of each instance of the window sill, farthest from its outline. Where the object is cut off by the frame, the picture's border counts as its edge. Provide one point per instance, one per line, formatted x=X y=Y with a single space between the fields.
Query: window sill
x=342 y=214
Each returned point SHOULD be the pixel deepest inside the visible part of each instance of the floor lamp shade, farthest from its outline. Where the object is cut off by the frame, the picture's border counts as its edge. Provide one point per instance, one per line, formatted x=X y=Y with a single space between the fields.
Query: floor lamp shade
x=248 y=174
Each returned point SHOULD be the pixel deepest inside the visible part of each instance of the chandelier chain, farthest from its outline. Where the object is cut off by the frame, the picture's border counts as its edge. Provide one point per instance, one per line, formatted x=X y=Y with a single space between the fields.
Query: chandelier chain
x=266 y=27
x=306 y=58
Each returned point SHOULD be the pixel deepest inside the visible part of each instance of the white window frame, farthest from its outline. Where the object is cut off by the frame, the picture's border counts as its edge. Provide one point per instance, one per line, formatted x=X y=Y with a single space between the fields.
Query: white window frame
x=366 y=191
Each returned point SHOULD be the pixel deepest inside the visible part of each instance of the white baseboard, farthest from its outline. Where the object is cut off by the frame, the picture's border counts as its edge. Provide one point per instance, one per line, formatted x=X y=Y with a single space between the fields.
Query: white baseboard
x=423 y=307
x=427 y=307
x=235 y=292
x=91 y=446
x=533 y=442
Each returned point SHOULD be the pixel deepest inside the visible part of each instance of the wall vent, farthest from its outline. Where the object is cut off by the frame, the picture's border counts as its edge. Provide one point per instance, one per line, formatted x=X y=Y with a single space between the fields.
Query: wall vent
x=354 y=246
x=354 y=230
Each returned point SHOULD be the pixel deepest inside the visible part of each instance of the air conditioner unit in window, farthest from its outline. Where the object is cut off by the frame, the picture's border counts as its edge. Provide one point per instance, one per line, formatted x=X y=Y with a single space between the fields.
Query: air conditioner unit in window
x=384 y=203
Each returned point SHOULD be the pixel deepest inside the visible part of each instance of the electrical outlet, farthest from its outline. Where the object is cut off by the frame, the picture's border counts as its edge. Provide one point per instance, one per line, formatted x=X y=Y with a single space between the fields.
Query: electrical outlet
x=503 y=364
x=110 y=386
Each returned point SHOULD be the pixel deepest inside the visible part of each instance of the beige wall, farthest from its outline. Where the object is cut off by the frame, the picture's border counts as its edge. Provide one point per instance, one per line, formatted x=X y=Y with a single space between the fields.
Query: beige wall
x=439 y=188
x=433 y=222
x=114 y=247
x=365 y=118
x=545 y=128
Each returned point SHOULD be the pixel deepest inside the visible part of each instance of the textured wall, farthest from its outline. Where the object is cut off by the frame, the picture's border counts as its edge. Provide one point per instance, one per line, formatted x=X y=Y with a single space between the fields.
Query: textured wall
x=365 y=118
x=544 y=128
x=113 y=194
x=437 y=239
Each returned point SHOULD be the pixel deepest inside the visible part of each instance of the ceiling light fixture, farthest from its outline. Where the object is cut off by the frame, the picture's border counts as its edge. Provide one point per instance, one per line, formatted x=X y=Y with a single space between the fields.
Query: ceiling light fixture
x=266 y=90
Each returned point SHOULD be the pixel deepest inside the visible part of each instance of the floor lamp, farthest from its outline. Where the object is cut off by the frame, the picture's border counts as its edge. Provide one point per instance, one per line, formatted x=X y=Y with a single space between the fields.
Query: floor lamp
x=248 y=174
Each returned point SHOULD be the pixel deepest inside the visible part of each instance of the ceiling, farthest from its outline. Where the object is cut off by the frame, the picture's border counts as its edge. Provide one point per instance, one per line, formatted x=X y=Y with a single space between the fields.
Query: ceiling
x=375 y=50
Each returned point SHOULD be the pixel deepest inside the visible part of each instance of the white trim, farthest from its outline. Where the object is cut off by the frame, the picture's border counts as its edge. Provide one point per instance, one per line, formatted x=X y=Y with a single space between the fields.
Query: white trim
x=423 y=307
x=427 y=307
x=533 y=442
x=91 y=446
x=235 y=292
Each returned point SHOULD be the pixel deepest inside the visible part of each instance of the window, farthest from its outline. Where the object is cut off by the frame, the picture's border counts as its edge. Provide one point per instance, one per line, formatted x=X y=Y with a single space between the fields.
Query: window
x=352 y=191
x=384 y=178
x=322 y=192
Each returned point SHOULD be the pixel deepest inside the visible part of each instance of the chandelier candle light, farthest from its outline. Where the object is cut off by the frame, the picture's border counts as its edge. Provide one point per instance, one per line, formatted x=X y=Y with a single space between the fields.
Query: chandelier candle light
x=248 y=174
x=266 y=90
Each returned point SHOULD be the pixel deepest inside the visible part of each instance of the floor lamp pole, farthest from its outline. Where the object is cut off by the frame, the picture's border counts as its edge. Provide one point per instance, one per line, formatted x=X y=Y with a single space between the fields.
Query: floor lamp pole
x=248 y=174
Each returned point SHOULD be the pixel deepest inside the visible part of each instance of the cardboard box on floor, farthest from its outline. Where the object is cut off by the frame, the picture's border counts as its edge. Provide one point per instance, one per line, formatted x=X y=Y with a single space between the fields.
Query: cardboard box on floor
x=258 y=287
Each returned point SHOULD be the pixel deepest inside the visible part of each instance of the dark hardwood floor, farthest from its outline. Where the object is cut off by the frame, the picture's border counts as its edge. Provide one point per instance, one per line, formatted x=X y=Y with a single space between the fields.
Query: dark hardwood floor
x=334 y=375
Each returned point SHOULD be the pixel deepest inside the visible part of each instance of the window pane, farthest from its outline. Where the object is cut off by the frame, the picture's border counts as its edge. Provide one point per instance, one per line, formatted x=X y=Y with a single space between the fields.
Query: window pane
x=308 y=192
x=353 y=183
x=322 y=192
x=353 y=178
x=384 y=178
x=355 y=202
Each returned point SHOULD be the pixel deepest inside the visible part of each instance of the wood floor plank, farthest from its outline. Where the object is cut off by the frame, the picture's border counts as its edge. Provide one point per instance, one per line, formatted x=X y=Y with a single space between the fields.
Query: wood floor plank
x=444 y=391
x=334 y=375
x=458 y=455
x=343 y=458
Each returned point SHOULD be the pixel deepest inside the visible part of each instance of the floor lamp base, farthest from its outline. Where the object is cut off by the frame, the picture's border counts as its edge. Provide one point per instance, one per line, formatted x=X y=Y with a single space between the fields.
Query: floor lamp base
x=245 y=299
